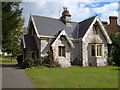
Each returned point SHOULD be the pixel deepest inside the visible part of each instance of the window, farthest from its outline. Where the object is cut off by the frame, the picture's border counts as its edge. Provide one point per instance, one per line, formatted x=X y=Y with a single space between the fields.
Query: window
x=96 y=50
x=99 y=50
x=93 y=50
x=61 y=51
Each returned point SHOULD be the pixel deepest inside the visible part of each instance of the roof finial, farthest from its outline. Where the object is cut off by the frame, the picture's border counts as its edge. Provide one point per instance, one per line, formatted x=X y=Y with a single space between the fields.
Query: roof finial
x=65 y=8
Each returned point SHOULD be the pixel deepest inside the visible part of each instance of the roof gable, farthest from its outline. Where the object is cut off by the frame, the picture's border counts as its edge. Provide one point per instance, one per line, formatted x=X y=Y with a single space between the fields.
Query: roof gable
x=96 y=19
x=62 y=32
x=84 y=26
x=45 y=26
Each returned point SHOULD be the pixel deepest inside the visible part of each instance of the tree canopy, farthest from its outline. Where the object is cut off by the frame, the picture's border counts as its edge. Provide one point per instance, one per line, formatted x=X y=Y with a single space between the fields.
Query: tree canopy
x=12 y=24
x=114 y=49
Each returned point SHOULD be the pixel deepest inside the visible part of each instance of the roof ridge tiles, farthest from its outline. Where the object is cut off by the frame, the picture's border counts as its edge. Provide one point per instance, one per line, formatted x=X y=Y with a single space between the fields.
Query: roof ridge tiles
x=46 y=17
x=53 y=18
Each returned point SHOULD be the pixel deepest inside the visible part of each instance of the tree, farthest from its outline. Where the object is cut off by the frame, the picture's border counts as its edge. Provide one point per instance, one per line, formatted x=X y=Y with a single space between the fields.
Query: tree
x=12 y=23
x=114 y=49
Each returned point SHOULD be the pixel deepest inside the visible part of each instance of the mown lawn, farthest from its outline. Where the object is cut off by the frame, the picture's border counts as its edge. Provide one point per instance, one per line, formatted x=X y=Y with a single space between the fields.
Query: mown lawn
x=74 y=77
x=7 y=60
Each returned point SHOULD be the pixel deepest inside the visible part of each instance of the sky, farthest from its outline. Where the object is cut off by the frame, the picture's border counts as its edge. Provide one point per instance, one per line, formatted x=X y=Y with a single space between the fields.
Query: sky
x=79 y=10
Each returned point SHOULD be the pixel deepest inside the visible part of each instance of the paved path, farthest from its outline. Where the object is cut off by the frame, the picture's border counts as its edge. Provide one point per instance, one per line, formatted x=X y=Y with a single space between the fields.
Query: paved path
x=14 y=77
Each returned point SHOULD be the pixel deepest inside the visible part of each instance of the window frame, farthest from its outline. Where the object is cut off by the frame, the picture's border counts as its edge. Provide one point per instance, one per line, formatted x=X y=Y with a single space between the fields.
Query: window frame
x=96 y=51
x=61 y=52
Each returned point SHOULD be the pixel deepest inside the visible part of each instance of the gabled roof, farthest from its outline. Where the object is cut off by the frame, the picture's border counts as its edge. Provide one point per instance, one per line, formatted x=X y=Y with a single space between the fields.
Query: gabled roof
x=92 y=21
x=84 y=26
x=29 y=42
x=60 y=33
x=50 y=26
x=45 y=26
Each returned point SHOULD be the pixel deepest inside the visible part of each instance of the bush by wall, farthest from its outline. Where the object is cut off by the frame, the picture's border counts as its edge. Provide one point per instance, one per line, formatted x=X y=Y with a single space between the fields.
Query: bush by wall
x=76 y=62
x=46 y=61
x=28 y=62
x=37 y=62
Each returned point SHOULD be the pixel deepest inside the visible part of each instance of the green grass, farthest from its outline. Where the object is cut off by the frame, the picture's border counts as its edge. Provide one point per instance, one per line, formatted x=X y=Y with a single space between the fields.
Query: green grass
x=74 y=77
x=7 y=60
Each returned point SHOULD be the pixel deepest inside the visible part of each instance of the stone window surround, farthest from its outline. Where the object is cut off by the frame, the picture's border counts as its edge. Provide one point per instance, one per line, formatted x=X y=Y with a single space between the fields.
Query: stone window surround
x=62 y=56
x=96 y=56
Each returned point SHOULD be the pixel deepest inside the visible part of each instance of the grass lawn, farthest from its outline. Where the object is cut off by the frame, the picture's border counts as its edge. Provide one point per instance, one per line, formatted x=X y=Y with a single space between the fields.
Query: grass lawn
x=74 y=77
x=7 y=60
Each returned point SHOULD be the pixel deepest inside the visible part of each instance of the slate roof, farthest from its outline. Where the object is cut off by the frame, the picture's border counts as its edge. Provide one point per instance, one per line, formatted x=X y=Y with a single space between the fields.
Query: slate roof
x=29 y=41
x=84 y=26
x=50 y=26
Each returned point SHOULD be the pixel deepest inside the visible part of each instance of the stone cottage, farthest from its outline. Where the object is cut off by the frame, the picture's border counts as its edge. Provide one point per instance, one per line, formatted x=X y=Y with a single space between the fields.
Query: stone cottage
x=85 y=42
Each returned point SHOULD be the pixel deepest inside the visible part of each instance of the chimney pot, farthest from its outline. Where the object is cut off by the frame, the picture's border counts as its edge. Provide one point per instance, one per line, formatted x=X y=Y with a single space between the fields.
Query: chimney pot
x=113 y=17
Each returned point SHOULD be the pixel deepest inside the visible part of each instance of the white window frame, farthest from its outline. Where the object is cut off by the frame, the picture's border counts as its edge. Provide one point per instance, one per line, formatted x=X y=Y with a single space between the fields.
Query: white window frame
x=96 y=54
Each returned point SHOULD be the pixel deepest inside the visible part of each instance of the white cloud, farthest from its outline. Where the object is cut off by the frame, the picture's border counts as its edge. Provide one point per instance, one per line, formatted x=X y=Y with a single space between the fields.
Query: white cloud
x=51 y=9
x=78 y=10
x=107 y=10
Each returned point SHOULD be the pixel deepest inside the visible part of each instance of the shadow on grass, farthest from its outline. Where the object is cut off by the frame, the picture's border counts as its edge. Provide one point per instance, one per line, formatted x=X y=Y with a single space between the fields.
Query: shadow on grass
x=15 y=66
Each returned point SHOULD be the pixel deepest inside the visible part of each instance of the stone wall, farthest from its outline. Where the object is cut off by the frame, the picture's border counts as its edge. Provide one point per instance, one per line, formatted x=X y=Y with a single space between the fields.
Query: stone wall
x=85 y=53
x=45 y=47
x=76 y=53
x=102 y=61
x=63 y=61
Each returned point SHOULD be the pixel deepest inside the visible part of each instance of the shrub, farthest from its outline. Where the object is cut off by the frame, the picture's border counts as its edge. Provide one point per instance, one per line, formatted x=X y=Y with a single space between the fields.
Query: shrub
x=77 y=62
x=47 y=62
x=37 y=62
x=52 y=65
x=28 y=62
x=20 y=59
x=55 y=64
x=50 y=60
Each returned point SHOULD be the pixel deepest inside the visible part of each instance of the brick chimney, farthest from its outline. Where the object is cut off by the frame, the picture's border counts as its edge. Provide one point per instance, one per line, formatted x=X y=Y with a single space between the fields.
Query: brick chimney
x=113 y=20
x=113 y=26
